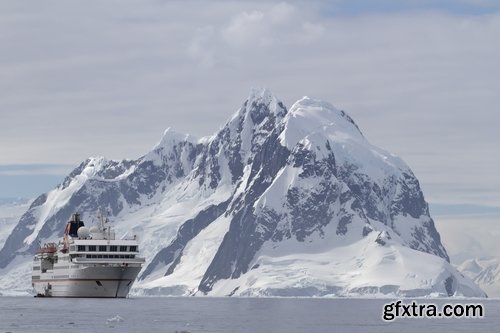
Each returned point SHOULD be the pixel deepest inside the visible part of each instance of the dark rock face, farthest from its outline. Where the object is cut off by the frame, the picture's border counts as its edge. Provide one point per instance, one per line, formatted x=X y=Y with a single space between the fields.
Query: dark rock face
x=410 y=200
x=450 y=285
x=244 y=238
x=248 y=156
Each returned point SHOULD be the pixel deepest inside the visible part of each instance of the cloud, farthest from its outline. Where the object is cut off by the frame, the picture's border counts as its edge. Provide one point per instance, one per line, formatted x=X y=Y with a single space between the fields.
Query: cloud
x=79 y=80
x=221 y=43
x=30 y=180
x=248 y=28
x=279 y=24
x=36 y=169
x=201 y=48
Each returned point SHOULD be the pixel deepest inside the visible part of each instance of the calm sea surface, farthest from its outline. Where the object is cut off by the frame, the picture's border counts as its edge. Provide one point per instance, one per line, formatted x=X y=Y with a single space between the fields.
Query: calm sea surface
x=193 y=314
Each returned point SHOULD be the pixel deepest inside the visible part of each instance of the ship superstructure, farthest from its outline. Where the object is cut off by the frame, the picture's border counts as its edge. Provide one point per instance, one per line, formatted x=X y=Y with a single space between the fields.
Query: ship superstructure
x=88 y=262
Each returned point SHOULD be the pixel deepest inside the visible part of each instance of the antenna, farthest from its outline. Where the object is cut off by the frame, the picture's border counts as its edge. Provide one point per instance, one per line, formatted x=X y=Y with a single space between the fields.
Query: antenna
x=100 y=219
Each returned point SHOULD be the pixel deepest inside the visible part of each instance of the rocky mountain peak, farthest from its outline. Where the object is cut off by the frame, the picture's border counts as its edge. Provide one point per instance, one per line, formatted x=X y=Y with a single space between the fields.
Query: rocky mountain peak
x=261 y=110
x=273 y=194
x=171 y=137
x=263 y=100
x=310 y=118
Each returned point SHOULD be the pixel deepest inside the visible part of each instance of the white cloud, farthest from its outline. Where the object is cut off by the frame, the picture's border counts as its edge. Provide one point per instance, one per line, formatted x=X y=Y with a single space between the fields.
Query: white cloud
x=247 y=28
x=277 y=25
x=79 y=80
x=201 y=48
x=36 y=170
x=283 y=13
x=311 y=32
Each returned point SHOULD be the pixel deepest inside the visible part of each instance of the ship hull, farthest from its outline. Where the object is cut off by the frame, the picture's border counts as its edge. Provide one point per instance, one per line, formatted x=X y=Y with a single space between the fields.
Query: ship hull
x=88 y=262
x=105 y=282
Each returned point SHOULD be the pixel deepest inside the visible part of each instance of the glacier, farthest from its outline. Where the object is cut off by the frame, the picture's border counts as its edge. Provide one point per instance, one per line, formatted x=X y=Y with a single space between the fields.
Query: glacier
x=278 y=202
x=485 y=272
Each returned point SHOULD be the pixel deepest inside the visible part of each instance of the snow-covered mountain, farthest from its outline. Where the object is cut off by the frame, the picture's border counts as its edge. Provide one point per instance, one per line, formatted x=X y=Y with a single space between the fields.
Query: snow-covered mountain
x=277 y=202
x=485 y=272
x=11 y=210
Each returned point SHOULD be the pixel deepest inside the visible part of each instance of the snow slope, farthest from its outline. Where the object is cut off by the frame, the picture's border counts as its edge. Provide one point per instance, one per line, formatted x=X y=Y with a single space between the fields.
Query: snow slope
x=277 y=202
x=485 y=272
x=11 y=210
x=361 y=268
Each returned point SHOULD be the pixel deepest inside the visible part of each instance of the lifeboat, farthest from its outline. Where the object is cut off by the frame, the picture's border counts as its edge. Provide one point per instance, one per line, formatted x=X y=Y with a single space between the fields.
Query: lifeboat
x=48 y=248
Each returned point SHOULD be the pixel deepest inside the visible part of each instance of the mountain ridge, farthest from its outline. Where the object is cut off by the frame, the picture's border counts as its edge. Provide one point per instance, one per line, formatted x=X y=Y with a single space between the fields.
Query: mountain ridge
x=271 y=181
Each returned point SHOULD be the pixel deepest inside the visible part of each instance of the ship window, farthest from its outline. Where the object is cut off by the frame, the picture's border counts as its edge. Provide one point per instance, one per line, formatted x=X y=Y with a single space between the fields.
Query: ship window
x=102 y=248
x=92 y=248
x=99 y=256
x=81 y=248
x=133 y=248
x=123 y=248
x=113 y=248
x=94 y=256
x=88 y=256
x=122 y=256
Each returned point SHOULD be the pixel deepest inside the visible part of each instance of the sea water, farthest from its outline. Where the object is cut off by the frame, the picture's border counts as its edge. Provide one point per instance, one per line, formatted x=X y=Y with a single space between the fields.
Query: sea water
x=204 y=314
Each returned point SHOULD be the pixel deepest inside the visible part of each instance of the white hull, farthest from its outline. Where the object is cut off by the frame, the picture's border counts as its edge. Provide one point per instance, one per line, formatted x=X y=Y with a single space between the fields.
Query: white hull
x=114 y=282
x=86 y=263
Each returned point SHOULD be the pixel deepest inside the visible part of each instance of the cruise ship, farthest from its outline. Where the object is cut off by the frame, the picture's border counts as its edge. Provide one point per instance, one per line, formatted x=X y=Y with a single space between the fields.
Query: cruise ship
x=88 y=262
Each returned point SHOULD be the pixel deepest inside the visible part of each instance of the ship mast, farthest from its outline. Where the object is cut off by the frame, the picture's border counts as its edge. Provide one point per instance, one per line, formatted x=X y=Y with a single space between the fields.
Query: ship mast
x=102 y=221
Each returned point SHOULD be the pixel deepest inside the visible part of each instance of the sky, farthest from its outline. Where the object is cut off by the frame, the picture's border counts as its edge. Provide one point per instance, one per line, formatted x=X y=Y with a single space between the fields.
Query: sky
x=106 y=78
